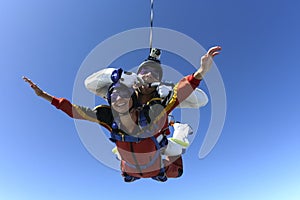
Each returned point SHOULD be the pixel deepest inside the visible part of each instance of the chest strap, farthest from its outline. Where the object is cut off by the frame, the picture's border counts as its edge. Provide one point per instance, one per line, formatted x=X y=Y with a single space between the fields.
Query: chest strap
x=124 y=138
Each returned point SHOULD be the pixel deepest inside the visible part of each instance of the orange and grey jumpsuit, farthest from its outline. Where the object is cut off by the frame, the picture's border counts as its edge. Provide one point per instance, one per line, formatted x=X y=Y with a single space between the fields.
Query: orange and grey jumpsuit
x=139 y=158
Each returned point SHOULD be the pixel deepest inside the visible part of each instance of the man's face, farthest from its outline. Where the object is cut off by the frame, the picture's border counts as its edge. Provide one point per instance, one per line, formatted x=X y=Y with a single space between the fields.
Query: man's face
x=149 y=74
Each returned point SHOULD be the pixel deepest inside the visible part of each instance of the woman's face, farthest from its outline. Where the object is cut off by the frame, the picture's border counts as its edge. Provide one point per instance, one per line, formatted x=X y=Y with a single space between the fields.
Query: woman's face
x=121 y=100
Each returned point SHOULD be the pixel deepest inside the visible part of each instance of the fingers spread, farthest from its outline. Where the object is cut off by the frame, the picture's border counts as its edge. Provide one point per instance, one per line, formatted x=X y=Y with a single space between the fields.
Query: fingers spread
x=28 y=81
x=25 y=79
x=214 y=51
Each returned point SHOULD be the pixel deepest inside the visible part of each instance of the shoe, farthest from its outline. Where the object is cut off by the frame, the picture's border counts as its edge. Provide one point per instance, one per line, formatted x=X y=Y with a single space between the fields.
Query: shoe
x=161 y=178
x=129 y=179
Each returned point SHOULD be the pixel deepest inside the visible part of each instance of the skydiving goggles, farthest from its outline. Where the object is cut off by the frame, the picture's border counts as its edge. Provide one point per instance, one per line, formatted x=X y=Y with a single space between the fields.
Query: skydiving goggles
x=120 y=92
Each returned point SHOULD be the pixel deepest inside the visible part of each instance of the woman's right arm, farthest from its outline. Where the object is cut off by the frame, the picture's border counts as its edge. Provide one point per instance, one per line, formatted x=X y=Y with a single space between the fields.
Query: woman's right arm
x=74 y=111
x=38 y=90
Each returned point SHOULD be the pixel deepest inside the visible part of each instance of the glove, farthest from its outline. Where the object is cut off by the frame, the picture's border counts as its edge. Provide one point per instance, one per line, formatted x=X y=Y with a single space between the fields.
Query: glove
x=126 y=78
x=130 y=79
x=163 y=90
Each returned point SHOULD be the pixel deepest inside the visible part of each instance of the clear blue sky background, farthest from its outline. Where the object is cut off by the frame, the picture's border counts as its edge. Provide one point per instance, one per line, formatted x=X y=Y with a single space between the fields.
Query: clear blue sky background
x=257 y=156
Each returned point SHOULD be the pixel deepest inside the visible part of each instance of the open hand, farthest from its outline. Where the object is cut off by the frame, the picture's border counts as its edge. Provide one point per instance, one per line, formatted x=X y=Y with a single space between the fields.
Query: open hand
x=36 y=89
x=207 y=59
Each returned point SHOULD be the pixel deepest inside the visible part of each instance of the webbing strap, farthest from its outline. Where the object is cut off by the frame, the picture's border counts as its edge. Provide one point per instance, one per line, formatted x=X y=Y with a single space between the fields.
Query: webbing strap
x=155 y=157
x=124 y=138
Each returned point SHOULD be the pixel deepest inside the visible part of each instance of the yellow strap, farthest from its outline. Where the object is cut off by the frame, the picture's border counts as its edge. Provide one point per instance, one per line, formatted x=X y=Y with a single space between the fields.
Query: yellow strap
x=154 y=99
x=89 y=118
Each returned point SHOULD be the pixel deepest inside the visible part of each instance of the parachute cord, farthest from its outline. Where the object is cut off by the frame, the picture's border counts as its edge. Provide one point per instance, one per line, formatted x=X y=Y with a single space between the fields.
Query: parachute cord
x=151 y=24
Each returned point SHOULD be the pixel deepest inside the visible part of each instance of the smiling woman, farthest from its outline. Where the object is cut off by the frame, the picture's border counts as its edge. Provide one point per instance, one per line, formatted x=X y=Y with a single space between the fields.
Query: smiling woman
x=121 y=98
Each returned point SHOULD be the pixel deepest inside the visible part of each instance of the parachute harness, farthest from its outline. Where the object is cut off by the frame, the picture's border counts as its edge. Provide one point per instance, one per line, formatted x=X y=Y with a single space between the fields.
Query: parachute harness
x=115 y=136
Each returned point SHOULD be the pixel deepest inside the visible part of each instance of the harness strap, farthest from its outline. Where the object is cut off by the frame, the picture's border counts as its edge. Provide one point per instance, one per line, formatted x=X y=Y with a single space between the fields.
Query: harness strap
x=162 y=177
x=124 y=138
x=159 y=143
x=116 y=136
x=143 y=119
x=158 y=146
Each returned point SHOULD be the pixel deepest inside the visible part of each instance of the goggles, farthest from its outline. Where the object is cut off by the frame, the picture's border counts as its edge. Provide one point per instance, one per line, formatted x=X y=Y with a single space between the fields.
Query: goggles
x=154 y=73
x=124 y=93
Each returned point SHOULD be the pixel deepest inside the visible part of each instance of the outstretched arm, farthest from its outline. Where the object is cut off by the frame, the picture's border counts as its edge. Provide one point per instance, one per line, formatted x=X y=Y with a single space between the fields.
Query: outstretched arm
x=206 y=62
x=188 y=84
x=74 y=111
x=39 y=92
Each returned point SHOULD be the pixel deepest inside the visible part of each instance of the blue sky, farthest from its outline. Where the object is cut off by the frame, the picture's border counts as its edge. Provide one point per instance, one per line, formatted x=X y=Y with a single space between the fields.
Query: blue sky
x=257 y=155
